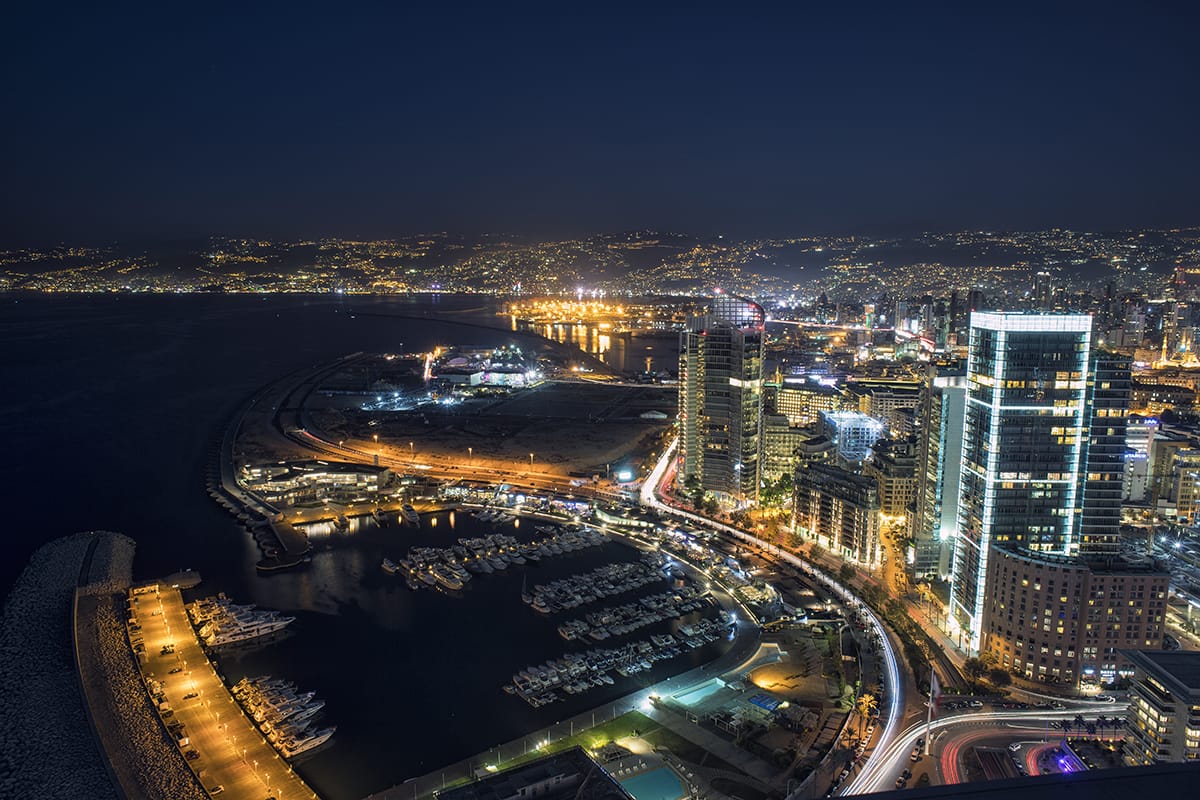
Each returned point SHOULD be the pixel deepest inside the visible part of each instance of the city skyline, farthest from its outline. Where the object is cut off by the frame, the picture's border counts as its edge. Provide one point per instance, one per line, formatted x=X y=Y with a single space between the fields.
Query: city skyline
x=462 y=401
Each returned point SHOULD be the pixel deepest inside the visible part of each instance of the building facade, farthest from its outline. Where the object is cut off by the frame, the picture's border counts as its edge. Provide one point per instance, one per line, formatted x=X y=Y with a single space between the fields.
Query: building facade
x=1139 y=437
x=803 y=401
x=893 y=465
x=840 y=510
x=781 y=441
x=1102 y=479
x=1066 y=620
x=720 y=400
x=1164 y=708
x=1023 y=446
x=938 y=470
x=852 y=433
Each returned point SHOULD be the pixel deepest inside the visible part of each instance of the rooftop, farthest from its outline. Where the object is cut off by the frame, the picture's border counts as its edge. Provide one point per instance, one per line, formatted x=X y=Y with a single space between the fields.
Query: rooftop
x=1182 y=667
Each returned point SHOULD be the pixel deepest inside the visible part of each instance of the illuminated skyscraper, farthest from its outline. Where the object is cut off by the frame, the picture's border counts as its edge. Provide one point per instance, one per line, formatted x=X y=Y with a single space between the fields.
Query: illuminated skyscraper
x=940 y=460
x=1024 y=446
x=720 y=400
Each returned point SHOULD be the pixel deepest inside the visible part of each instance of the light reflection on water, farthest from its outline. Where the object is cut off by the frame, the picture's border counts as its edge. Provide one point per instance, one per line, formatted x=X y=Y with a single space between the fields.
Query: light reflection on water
x=376 y=651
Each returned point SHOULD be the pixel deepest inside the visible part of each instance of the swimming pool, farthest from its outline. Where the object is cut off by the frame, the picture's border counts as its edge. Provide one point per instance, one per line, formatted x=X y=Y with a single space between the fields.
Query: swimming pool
x=700 y=692
x=657 y=784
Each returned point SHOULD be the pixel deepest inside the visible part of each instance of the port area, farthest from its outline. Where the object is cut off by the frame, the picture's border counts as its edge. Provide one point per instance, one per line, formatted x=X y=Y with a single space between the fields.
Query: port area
x=212 y=733
x=747 y=653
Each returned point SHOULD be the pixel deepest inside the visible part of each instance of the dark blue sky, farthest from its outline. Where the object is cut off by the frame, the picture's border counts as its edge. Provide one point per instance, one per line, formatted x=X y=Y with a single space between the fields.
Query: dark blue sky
x=371 y=120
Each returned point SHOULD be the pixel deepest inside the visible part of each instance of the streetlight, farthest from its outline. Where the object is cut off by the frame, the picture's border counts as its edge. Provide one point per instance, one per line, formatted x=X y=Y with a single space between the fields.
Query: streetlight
x=470 y=454
x=411 y=451
x=531 y=460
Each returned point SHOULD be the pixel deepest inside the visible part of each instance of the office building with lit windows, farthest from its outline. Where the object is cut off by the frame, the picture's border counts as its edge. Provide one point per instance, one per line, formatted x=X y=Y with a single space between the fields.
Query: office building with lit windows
x=1164 y=708
x=939 y=463
x=721 y=400
x=1023 y=449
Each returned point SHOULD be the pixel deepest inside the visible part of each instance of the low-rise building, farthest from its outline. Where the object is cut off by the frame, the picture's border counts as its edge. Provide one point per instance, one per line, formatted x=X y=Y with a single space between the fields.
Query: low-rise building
x=1164 y=708
x=291 y=482
x=803 y=401
x=852 y=433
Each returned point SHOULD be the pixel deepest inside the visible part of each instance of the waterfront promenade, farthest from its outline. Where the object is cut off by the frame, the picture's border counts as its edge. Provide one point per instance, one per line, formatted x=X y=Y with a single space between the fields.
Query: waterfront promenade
x=232 y=752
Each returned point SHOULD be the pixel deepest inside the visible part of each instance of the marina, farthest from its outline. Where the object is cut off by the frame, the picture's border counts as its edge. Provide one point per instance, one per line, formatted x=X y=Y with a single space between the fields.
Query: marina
x=606 y=581
x=576 y=673
x=451 y=568
x=625 y=619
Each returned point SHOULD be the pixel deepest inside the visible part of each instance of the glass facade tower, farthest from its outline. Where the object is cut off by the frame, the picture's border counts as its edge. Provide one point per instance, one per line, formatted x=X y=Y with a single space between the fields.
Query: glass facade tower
x=721 y=400
x=1024 y=446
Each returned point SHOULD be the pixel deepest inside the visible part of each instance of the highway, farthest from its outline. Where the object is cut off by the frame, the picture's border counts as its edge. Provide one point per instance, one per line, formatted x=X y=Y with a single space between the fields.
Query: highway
x=231 y=753
x=893 y=706
x=953 y=735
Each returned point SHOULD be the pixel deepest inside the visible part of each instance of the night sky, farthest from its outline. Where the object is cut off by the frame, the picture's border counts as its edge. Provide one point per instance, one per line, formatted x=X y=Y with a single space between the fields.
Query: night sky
x=298 y=120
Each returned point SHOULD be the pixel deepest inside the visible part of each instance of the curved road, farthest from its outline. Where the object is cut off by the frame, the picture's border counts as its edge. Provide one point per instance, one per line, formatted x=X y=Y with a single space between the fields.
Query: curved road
x=893 y=686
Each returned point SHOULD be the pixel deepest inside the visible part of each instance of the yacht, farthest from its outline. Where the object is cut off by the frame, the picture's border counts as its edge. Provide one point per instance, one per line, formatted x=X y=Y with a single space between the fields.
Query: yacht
x=294 y=747
x=410 y=514
x=446 y=578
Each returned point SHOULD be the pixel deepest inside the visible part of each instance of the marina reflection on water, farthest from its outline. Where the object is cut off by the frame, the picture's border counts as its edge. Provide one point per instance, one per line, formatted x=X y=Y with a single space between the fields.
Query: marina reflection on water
x=413 y=678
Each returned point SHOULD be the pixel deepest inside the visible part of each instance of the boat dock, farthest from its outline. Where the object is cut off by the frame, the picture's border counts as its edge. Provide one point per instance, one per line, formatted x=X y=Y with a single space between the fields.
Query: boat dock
x=743 y=652
x=221 y=745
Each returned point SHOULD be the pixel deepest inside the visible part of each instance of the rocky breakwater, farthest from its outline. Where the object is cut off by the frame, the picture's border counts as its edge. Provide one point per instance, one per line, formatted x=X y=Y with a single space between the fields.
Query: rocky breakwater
x=46 y=747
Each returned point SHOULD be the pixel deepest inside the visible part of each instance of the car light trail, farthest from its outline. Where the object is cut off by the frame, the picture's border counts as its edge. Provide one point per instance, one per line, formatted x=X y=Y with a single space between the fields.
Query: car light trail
x=893 y=688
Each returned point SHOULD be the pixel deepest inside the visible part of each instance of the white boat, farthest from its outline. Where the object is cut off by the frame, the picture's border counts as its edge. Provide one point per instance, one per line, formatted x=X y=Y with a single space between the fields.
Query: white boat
x=410 y=514
x=390 y=567
x=294 y=747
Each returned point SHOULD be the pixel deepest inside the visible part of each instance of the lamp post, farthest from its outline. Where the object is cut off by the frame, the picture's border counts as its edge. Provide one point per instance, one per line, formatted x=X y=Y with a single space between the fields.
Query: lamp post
x=411 y=452
x=470 y=455
x=531 y=460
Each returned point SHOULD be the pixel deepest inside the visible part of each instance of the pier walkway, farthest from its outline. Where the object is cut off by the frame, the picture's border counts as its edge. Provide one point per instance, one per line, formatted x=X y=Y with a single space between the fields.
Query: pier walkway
x=232 y=752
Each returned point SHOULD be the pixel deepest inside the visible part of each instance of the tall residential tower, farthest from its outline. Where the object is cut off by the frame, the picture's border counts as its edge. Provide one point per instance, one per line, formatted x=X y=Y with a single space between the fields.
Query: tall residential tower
x=720 y=400
x=1023 y=446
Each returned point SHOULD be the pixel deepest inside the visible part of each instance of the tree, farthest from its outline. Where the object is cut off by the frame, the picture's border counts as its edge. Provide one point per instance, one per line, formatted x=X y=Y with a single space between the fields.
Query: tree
x=865 y=705
x=1102 y=723
x=1066 y=726
x=845 y=573
x=999 y=677
x=975 y=669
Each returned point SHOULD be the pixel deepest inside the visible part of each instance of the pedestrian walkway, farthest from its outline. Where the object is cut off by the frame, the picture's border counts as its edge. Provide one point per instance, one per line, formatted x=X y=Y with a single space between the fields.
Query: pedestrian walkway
x=229 y=750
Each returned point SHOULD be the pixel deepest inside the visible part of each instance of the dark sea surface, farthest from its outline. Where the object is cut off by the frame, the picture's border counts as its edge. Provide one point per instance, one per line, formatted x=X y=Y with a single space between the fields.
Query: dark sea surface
x=111 y=406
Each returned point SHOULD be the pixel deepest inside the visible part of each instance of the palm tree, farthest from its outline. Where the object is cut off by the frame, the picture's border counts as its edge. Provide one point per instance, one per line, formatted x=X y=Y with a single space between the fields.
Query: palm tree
x=1066 y=726
x=866 y=704
x=1101 y=723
